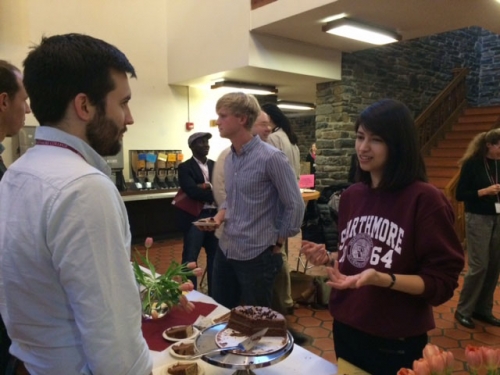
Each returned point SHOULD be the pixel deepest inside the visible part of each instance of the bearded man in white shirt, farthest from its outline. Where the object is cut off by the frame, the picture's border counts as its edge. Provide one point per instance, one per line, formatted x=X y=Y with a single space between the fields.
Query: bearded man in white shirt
x=68 y=295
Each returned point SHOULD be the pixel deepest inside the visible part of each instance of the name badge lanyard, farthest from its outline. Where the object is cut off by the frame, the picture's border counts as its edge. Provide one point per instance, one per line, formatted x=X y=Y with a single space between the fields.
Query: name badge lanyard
x=490 y=176
x=43 y=142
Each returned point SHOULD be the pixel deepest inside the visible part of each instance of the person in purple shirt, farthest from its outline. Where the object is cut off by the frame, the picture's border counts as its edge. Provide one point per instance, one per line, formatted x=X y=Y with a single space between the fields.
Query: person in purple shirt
x=398 y=253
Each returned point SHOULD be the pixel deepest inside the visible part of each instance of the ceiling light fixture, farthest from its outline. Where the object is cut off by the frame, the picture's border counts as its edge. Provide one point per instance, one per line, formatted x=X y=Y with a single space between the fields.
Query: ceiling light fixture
x=354 y=29
x=297 y=106
x=247 y=88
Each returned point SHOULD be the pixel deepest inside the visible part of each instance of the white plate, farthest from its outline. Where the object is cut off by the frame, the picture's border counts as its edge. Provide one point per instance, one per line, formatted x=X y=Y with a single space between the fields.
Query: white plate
x=266 y=345
x=307 y=190
x=163 y=370
x=176 y=355
x=168 y=338
x=204 y=223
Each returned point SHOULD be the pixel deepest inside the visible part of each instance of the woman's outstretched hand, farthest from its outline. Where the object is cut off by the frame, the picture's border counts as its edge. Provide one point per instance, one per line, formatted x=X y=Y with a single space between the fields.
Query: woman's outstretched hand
x=341 y=281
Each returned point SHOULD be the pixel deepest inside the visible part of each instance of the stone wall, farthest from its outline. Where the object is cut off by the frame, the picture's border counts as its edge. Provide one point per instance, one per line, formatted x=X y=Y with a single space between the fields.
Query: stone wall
x=489 y=81
x=413 y=72
x=304 y=128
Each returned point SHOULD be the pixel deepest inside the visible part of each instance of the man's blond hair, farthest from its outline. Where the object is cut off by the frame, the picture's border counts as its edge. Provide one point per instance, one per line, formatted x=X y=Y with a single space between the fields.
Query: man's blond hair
x=240 y=104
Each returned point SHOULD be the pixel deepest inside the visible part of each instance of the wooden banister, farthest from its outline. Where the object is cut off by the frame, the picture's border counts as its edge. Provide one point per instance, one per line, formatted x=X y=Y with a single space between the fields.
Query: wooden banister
x=434 y=122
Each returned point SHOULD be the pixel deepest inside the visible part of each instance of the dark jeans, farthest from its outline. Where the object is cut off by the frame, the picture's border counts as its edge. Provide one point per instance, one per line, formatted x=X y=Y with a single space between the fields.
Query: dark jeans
x=194 y=240
x=376 y=355
x=245 y=282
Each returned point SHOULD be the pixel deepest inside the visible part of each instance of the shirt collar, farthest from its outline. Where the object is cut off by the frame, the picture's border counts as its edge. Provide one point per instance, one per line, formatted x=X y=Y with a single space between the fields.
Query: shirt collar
x=199 y=161
x=50 y=133
x=247 y=147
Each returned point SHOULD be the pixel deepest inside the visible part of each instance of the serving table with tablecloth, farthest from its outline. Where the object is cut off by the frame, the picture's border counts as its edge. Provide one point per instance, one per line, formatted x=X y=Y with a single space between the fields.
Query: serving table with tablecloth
x=299 y=362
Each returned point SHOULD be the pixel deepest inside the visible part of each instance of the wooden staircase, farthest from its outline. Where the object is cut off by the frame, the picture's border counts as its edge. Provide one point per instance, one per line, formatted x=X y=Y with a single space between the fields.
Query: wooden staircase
x=442 y=162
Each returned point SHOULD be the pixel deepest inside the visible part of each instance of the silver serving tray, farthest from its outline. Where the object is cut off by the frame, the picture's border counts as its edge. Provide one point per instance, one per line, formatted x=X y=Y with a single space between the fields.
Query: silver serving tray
x=206 y=341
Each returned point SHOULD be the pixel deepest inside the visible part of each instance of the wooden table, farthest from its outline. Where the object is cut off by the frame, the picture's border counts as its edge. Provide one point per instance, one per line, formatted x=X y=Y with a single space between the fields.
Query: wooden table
x=310 y=196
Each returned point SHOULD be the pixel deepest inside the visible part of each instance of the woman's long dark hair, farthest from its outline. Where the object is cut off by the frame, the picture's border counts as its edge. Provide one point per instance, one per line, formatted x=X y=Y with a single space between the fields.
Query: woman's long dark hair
x=280 y=120
x=392 y=121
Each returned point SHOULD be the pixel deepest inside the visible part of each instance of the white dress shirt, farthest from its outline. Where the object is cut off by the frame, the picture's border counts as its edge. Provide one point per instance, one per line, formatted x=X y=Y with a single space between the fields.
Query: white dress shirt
x=68 y=295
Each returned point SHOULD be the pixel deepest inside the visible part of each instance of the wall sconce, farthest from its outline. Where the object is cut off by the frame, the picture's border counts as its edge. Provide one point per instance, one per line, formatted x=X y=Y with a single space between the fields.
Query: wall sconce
x=297 y=106
x=358 y=30
x=247 y=88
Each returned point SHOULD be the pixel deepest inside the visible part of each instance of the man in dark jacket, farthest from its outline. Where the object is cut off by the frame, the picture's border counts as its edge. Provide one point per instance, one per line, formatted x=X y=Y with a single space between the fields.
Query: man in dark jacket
x=195 y=176
x=13 y=108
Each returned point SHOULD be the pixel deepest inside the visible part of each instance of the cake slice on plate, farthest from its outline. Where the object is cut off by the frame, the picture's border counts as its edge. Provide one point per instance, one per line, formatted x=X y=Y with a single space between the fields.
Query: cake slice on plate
x=184 y=369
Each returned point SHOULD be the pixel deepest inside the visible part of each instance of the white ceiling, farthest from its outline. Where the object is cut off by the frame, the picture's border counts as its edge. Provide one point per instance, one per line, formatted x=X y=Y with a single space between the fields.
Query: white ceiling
x=411 y=18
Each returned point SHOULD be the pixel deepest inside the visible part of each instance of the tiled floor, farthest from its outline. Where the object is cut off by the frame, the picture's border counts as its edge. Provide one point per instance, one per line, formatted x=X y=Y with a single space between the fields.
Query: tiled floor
x=317 y=323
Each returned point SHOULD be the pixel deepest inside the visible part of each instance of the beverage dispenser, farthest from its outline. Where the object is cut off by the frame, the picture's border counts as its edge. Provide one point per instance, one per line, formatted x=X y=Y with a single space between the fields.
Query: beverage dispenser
x=116 y=163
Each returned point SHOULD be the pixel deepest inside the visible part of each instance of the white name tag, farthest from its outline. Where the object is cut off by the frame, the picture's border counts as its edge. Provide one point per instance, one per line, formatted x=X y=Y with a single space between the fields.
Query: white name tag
x=497 y=207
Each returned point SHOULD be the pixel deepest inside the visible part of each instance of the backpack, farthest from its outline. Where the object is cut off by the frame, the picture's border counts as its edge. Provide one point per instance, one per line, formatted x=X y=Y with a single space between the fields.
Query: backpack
x=319 y=226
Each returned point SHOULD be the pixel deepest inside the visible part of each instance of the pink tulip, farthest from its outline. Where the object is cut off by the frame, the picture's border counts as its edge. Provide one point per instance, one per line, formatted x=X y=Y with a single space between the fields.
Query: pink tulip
x=498 y=357
x=421 y=367
x=198 y=272
x=437 y=363
x=187 y=286
x=148 y=243
x=191 y=265
x=449 y=360
x=474 y=357
x=186 y=305
x=430 y=350
x=489 y=357
x=405 y=371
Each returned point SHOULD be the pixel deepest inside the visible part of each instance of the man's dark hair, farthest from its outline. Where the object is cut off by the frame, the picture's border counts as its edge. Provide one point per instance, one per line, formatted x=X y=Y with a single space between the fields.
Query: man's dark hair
x=63 y=66
x=392 y=121
x=8 y=79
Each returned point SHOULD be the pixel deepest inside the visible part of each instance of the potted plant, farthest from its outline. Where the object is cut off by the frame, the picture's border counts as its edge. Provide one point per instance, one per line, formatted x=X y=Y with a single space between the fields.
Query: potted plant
x=160 y=293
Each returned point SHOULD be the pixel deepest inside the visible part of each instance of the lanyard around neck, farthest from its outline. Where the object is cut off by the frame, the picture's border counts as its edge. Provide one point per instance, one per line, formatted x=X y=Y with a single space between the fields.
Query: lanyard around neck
x=490 y=176
x=43 y=142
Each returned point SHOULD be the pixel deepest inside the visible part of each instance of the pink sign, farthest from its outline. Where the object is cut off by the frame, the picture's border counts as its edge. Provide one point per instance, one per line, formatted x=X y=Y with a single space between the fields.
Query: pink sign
x=306 y=181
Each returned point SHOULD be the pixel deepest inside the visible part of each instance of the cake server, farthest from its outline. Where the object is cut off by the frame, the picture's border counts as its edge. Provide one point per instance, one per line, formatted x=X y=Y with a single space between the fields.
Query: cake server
x=244 y=346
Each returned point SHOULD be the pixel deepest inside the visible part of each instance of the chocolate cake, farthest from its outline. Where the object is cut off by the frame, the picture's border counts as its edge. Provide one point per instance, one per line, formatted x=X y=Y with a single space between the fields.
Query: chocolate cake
x=184 y=348
x=182 y=332
x=183 y=369
x=251 y=319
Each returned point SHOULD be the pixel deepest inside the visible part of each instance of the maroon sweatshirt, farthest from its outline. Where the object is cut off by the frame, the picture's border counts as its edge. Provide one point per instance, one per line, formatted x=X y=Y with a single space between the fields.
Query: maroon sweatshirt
x=409 y=231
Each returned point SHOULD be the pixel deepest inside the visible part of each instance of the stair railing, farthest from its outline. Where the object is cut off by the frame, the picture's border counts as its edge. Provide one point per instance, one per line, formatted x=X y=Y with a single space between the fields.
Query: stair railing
x=443 y=112
x=432 y=125
x=458 y=207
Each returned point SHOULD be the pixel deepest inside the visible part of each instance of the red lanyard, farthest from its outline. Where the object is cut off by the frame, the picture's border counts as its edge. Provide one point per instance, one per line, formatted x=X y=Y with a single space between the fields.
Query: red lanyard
x=43 y=142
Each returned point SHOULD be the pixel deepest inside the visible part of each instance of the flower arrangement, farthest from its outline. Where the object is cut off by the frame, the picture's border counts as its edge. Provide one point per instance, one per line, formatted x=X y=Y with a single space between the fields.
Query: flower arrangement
x=480 y=360
x=160 y=293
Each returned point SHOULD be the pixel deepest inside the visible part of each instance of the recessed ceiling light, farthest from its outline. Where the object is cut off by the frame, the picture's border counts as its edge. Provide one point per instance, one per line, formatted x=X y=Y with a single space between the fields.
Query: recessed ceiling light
x=247 y=88
x=354 y=29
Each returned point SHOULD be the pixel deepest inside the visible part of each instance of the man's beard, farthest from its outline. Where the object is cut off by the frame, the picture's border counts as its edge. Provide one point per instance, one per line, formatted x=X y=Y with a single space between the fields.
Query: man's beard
x=103 y=135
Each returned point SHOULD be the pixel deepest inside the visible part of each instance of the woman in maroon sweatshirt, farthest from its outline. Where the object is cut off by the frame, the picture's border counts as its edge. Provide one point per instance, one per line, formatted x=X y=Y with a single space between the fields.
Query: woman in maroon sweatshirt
x=398 y=253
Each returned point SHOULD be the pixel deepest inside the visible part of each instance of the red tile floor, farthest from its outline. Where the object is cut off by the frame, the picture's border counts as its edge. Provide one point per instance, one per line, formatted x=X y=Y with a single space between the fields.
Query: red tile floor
x=317 y=323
